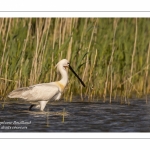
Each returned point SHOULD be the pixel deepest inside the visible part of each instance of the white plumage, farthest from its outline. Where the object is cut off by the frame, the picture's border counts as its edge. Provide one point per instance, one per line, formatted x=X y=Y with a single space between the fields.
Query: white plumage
x=40 y=94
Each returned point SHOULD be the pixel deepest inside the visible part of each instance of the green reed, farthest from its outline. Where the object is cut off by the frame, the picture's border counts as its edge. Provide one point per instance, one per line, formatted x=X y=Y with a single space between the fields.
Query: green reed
x=111 y=55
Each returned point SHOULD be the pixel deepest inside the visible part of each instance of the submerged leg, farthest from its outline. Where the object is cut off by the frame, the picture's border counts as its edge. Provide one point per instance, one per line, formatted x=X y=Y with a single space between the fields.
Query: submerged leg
x=31 y=107
x=42 y=105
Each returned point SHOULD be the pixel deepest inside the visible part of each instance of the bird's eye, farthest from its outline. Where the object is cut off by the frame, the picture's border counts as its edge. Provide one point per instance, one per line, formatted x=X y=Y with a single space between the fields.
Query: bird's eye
x=68 y=63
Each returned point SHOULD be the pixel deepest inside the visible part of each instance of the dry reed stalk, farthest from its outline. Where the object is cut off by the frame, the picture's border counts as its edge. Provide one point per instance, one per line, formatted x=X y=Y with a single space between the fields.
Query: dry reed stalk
x=51 y=70
x=75 y=23
x=125 y=92
x=81 y=41
x=91 y=88
x=111 y=84
x=134 y=50
x=69 y=27
x=35 y=59
x=4 y=29
x=4 y=49
x=60 y=38
x=71 y=96
x=70 y=42
x=60 y=33
x=111 y=61
x=109 y=67
x=42 y=45
x=33 y=73
x=87 y=57
x=1 y=24
x=63 y=30
x=55 y=35
x=134 y=88
x=23 y=52
x=83 y=32
x=8 y=80
x=68 y=94
x=92 y=66
x=146 y=72
x=129 y=78
x=6 y=73
x=55 y=32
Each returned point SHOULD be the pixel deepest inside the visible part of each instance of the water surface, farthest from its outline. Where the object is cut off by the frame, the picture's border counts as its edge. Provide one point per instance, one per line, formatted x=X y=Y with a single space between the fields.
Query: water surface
x=78 y=117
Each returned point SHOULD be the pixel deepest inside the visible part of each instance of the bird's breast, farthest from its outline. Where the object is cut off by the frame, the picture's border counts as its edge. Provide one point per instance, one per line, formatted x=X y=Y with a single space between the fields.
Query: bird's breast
x=60 y=85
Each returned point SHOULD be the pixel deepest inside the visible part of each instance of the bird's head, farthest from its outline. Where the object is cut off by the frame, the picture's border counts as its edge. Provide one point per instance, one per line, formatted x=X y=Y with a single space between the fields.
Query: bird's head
x=64 y=63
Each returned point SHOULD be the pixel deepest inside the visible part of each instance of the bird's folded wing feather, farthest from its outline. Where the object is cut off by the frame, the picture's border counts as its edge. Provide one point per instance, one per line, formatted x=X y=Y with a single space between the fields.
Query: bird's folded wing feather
x=36 y=93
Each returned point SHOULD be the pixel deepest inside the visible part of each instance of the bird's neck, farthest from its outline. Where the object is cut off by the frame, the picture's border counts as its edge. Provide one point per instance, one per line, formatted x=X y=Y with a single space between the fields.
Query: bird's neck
x=64 y=74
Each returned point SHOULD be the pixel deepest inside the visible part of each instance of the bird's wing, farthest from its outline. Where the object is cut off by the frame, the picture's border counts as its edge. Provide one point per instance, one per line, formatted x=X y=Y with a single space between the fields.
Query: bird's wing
x=36 y=92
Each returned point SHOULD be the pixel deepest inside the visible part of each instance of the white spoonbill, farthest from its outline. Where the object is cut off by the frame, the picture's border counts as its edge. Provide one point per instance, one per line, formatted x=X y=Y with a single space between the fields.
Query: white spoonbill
x=40 y=94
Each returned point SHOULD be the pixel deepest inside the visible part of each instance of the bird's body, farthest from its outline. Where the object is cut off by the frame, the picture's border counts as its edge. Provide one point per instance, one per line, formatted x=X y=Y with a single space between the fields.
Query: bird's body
x=40 y=94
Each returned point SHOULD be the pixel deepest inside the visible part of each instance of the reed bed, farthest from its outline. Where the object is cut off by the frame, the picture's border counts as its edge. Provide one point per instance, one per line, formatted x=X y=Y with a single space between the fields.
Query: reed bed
x=111 y=55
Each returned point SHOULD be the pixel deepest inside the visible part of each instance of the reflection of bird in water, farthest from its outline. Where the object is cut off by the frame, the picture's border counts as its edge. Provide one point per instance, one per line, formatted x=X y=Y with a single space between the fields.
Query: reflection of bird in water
x=40 y=94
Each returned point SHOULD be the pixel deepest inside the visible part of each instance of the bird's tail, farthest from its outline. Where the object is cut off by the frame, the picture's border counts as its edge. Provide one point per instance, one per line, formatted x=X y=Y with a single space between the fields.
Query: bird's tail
x=17 y=93
x=14 y=94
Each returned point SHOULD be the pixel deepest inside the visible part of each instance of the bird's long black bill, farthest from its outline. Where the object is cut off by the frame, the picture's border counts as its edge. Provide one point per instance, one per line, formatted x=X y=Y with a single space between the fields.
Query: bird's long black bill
x=76 y=75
